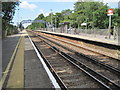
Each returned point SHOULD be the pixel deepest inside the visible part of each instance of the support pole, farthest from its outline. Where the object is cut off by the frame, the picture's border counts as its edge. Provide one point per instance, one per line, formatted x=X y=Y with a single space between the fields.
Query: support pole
x=55 y=23
x=109 y=28
x=109 y=22
x=51 y=21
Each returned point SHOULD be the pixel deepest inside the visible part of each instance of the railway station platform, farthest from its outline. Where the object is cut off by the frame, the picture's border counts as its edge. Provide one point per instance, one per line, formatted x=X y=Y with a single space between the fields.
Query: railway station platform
x=99 y=39
x=21 y=66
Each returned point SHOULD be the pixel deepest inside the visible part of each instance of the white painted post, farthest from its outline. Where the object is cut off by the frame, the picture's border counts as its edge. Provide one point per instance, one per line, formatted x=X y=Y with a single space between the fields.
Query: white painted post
x=110 y=13
x=109 y=28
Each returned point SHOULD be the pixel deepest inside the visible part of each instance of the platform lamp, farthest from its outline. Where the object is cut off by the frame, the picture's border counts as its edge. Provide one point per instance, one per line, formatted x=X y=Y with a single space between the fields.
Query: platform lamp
x=55 y=21
x=18 y=15
x=51 y=19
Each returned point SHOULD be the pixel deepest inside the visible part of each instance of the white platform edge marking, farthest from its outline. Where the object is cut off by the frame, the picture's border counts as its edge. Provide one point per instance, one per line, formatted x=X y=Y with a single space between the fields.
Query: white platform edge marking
x=54 y=82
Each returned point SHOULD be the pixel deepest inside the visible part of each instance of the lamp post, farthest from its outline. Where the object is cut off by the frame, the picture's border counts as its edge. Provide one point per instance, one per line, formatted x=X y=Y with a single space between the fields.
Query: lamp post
x=51 y=20
x=56 y=22
x=18 y=19
x=86 y=25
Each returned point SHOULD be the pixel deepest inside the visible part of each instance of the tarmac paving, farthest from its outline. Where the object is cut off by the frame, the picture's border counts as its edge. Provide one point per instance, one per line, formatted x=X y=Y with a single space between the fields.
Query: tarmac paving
x=8 y=46
x=16 y=76
x=35 y=74
x=27 y=71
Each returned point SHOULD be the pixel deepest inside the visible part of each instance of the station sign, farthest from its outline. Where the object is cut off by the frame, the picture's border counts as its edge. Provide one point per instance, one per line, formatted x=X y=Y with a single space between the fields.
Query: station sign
x=110 y=12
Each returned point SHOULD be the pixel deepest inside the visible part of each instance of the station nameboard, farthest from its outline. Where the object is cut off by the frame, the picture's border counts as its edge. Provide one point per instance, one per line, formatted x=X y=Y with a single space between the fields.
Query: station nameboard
x=110 y=12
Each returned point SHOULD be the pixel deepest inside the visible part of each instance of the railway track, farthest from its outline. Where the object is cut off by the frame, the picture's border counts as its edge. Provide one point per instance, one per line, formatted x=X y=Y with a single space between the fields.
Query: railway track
x=97 y=56
x=70 y=67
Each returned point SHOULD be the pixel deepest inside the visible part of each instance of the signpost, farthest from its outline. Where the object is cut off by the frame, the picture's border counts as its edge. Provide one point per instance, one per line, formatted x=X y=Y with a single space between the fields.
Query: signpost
x=110 y=13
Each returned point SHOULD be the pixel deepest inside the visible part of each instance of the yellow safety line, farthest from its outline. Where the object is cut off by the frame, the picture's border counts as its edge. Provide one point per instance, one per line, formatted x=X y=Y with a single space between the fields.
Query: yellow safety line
x=16 y=77
x=9 y=64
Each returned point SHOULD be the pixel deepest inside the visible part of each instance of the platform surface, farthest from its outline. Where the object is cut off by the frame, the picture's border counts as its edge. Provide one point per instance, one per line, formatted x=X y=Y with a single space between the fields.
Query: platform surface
x=35 y=74
x=90 y=37
x=8 y=45
x=8 y=48
x=26 y=70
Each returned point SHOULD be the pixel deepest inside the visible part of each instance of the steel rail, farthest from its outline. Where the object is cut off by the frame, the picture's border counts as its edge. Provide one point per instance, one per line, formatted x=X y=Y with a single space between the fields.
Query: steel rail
x=107 y=45
x=107 y=66
x=96 y=76
x=58 y=79
x=62 y=85
x=79 y=46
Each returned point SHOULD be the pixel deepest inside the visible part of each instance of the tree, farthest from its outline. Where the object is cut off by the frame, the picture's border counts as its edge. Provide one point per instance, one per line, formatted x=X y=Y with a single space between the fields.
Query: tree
x=92 y=12
x=9 y=10
x=37 y=25
x=100 y=17
x=116 y=18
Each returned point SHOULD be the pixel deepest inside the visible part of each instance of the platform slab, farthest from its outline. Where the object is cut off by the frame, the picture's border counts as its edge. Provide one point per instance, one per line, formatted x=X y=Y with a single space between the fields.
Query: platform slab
x=35 y=74
x=101 y=39
x=8 y=45
x=16 y=77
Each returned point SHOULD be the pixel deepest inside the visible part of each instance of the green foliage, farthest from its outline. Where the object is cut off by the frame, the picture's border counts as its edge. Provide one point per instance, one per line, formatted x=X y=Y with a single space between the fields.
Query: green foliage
x=92 y=13
x=37 y=25
x=116 y=18
x=9 y=10
x=100 y=17
x=11 y=29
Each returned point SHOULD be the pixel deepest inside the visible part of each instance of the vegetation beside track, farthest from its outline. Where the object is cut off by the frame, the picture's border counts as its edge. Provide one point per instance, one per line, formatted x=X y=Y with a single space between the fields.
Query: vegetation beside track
x=93 y=13
x=8 y=9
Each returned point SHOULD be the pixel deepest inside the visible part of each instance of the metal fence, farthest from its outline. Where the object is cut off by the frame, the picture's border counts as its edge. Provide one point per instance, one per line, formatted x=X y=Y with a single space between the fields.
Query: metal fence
x=89 y=32
x=78 y=31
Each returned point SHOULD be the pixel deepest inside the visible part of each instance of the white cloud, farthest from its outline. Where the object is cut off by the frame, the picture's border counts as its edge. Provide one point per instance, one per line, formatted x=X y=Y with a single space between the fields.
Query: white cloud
x=105 y=1
x=26 y=5
x=65 y=0
x=68 y=0
x=44 y=12
x=109 y=1
x=26 y=24
x=50 y=0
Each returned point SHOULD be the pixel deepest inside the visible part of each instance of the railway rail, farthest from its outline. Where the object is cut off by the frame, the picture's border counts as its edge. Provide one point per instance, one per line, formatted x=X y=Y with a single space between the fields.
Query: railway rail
x=70 y=72
x=102 y=48
x=100 y=57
